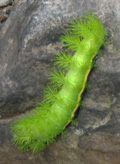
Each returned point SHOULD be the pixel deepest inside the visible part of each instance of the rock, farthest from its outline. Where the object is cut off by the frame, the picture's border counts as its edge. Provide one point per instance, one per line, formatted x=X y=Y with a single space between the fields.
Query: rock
x=7 y=10
x=4 y=3
x=3 y=17
x=28 y=41
x=4 y=12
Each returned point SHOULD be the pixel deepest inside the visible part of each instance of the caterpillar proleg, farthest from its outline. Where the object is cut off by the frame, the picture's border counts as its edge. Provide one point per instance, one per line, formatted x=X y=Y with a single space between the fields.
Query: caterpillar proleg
x=62 y=97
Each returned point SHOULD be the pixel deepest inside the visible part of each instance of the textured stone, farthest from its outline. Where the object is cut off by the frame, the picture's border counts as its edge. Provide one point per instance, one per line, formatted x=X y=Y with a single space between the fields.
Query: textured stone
x=4 y=3
x=3 y=17
x=28 y=41
x=7 y=10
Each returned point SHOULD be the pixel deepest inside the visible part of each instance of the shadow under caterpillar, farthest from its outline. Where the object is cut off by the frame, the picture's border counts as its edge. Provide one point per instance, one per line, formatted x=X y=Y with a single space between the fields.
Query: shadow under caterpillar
x=62 y=97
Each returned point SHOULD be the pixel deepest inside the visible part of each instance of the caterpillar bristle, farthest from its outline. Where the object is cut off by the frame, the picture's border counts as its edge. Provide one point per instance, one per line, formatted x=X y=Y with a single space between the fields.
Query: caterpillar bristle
x=88 y=27
x=42 y=106
x=88 y=85
x=63 y=59
x=50 y=94
x=71 y=41
x=57 y=78
x=94 y=65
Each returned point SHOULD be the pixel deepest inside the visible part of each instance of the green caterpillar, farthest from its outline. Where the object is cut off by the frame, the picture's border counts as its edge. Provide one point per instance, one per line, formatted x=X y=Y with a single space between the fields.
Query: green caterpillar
x=62 y=97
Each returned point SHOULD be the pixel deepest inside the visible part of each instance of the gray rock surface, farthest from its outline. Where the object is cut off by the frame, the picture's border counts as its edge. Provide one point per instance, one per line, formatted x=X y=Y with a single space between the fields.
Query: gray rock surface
x=3 y=17
x=28 y=41
x=5 y=2
x=5 y=9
